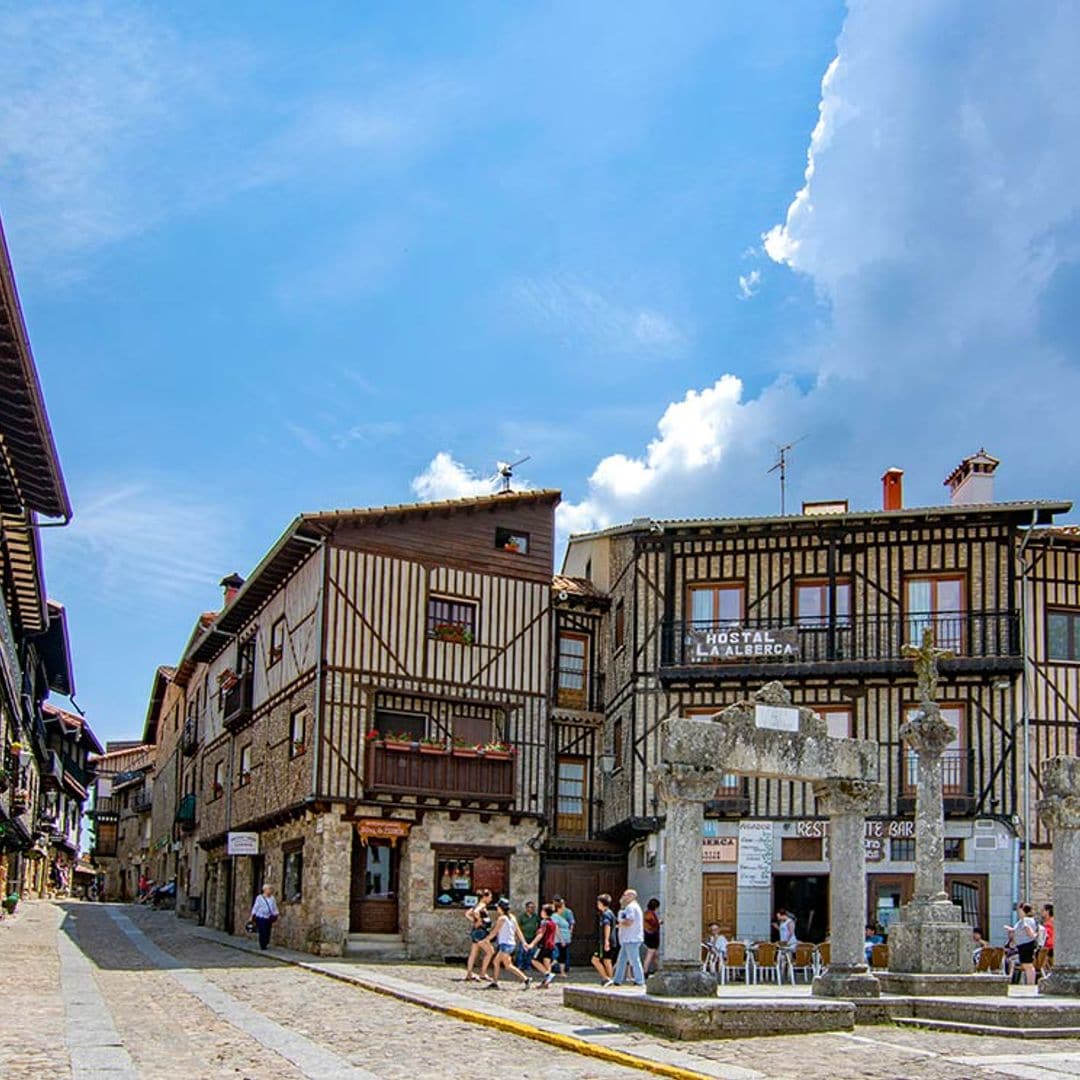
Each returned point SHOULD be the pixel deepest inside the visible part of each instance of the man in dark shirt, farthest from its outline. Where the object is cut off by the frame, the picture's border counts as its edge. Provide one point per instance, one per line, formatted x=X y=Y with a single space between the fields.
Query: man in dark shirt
x=529 y=921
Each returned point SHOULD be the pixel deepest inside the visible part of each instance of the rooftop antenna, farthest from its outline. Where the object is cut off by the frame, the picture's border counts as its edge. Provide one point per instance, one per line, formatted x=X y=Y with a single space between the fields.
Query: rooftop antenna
x=504 y=472
x=781 y=467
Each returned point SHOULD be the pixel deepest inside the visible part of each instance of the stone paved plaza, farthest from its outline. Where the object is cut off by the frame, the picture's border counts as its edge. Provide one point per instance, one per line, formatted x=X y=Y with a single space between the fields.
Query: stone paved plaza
x=138 y=993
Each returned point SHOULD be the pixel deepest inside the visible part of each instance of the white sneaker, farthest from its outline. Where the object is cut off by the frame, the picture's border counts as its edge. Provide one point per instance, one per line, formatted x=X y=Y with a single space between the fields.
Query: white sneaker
x=609 y=982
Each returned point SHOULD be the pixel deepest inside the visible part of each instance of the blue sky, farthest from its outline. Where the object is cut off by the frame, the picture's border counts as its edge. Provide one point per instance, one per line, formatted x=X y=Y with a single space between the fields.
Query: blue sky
x=277 y=258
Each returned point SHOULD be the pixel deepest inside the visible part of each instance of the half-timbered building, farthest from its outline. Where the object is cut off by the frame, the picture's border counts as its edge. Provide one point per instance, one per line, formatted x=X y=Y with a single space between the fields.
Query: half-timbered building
x=704 y=612
x=370 y=713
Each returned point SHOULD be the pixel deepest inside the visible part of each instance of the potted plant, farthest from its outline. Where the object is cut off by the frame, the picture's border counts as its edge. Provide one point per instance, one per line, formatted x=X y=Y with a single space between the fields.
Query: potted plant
x=398 y=740
x=227 y=679
x=453 y=632
x=497 y=751
x=11 y=902
x=219 y=790
x=433 y=744
x=298 y=747
x=374 y=737
x=512 y=546
x=464 y=748
x=245 y=779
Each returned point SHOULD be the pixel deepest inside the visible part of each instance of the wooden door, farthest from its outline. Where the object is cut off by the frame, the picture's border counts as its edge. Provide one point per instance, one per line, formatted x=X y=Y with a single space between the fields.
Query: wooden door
x=719 y=903
x=373 y=906
x=573 y=670
x=226 y=874
x=579 y=883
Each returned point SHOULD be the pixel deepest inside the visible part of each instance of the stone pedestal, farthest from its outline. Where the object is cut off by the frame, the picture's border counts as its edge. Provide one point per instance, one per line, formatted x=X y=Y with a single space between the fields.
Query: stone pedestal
x=847 y=802
x=930 y=936
x=1060 y=810
x=683 y=791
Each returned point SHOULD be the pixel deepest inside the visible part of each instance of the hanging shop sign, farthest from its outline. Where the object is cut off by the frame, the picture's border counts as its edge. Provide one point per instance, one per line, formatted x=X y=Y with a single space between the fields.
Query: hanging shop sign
x=383 y=829
x=242 y=843
x=732 y=643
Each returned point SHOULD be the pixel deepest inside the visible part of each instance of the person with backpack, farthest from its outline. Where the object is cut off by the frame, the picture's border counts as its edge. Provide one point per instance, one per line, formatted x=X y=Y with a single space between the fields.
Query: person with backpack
x=607 y=938
x=544 y=944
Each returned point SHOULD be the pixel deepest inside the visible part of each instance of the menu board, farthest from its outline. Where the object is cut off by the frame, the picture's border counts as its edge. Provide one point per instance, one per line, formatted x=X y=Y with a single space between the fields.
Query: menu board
x=755 y=854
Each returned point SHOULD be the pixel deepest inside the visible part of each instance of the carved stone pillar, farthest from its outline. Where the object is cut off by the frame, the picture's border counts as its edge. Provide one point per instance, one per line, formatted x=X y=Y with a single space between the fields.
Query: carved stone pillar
x=683 y=791
x=847 y=802
x=929 y=937
x=1060 y=810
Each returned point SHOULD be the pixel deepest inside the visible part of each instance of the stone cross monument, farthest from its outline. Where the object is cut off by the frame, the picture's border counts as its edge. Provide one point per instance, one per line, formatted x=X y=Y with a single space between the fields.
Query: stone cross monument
x=929 y=937
x=1060 y=809
x=764 y=736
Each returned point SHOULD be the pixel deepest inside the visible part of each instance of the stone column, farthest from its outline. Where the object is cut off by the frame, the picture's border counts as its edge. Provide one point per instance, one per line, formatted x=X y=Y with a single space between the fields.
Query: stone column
x=847 y=802
x=683 y=790
x=1060 y=810
x=929 y=937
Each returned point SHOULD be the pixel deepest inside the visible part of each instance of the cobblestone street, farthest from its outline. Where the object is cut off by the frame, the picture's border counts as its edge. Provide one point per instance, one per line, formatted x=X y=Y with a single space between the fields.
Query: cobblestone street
x=140 y=993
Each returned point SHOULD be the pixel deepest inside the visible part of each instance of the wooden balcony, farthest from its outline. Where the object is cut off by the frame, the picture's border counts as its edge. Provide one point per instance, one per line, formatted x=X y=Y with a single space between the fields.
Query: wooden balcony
x=237 y=703
x=481 y=779
x=983 y=641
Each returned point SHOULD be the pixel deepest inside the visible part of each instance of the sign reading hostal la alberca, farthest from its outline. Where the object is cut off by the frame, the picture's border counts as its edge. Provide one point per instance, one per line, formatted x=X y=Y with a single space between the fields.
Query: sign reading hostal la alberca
x=733 y=643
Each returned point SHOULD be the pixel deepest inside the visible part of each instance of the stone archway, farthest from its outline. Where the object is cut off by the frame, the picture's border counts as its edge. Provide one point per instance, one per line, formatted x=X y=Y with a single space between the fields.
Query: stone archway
x=764 y=736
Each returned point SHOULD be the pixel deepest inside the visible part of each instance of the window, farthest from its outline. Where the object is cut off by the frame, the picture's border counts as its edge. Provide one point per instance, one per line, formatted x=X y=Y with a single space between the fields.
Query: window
x=1063 y=634
x=936 y=602
x=800 y=849
x=570 y=796
x=902 y=849
x=954 y=848
x=716 y=605
x=953 y=758
x=245 y=657
x=297 y=732
x=571 y=689
x=461 y=872
x=245 y=765
x=292 y=875
x=512 y=540
x=838 y=718
x=451 y=620
x=219 y=780
x=277 y=641
x=616 y=742
x=812 y=603
x=388 y=722
x=473 y=729
x=620 y=624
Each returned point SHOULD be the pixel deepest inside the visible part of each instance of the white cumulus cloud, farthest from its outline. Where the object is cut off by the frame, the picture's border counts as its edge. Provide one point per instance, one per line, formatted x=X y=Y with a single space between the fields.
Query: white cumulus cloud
x=445 y=478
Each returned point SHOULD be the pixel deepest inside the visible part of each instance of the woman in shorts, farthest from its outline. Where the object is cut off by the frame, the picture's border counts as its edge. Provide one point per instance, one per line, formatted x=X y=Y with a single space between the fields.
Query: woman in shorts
x=607 y=942
x=506 y=935
x=479 y=928
x=1026 y=933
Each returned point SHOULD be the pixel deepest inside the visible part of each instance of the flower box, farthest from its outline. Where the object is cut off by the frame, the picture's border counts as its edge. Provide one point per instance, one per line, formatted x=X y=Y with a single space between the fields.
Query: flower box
x=454 y=633
x=466 y=751
x=497 y=755
x=397 y=744
x=298 y=748
x=432 y=748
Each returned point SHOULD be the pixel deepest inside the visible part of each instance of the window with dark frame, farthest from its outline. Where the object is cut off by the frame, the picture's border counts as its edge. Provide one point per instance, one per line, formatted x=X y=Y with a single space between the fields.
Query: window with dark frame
x=461 y=872
x=512 y=540
x=277 y=641
x=953 y=758
x=245 y=657
x=219 y=780
x=571 y=805
x=619 y=629
x=571 y=689
x=292 y=875
x=954 y=848
x=298 y=732
x=245 y=765
x=398 y=722
x=449 y=619
x=616 y=742
x=713 y=604
x=1063 y=634
x=812 y=603
x=902 y=849
x=936 y=601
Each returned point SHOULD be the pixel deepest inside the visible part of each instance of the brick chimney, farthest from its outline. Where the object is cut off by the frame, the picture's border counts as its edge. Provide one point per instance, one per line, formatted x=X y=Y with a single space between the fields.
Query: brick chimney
x=231 y=585
x=892 y=490
x=972 y=481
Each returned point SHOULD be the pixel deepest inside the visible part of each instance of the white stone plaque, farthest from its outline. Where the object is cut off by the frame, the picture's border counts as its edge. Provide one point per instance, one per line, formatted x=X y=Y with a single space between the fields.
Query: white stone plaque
x=755 y=854
x=242 y=843
x=776 y=717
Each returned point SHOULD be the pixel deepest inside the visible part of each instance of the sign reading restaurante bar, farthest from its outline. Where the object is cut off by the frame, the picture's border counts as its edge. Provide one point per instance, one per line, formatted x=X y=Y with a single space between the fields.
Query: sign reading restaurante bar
x=732 y=643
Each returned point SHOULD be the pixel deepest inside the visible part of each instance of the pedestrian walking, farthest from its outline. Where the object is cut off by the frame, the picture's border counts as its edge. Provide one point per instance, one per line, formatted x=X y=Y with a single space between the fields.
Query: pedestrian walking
x=607 y=938
x=506 y=936
x=631 y=937
x=544 y=943
x=652 y=924
x=529 y=921
x=563 y=908
x=1047 y=933
x=264 y=913
x=479 y=927
x=1026 y=935
x=562 y=942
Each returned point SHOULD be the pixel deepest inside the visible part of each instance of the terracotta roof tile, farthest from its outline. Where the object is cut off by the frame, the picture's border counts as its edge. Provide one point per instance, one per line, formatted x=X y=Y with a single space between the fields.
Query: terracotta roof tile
x=576 y=586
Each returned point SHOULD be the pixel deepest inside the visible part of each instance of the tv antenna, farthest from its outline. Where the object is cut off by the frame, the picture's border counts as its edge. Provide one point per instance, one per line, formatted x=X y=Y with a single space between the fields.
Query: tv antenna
x=504 y=472
x=781 y=467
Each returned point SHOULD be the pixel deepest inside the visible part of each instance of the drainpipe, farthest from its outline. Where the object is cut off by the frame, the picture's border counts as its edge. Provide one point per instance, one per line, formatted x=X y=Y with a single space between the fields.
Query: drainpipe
x=1025 y=719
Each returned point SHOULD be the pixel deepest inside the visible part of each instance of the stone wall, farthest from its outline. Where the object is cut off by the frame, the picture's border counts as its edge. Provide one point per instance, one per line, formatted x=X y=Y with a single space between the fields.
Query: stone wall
x=432 y=934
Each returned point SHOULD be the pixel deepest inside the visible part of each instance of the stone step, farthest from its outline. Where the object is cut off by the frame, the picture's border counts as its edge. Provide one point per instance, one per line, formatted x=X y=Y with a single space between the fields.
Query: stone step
x=962 y=1027
x=376 y=948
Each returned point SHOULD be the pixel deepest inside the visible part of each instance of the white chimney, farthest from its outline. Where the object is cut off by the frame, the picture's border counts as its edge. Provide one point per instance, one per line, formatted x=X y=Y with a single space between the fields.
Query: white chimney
x=972 y=481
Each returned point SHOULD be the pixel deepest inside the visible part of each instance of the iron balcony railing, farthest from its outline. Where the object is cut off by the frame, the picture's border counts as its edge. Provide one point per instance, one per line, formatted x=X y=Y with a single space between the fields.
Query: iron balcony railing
x=479 y=778
x=579 y=691
x=237 y=702
x=974 y=634
x=142 y=801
